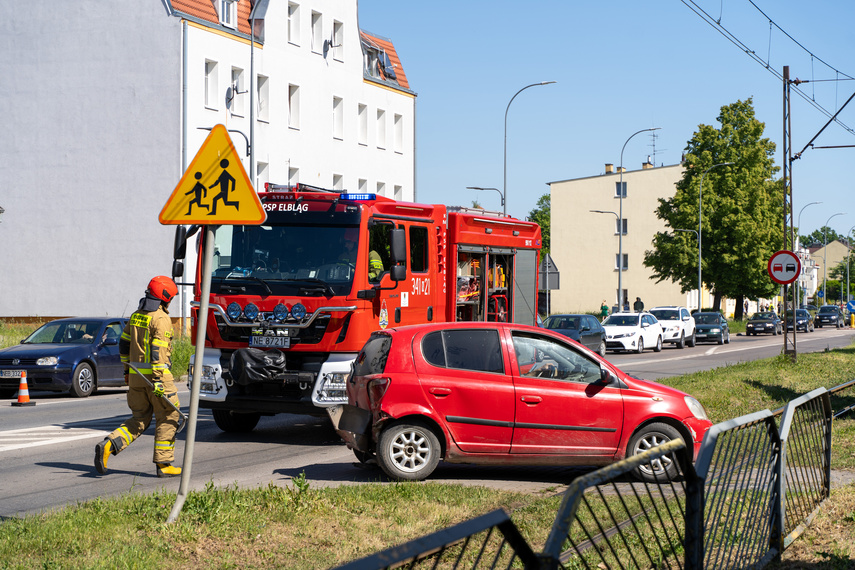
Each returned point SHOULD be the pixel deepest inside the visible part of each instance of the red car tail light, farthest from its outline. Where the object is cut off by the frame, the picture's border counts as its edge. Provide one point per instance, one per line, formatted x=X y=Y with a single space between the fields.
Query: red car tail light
x=376 y=389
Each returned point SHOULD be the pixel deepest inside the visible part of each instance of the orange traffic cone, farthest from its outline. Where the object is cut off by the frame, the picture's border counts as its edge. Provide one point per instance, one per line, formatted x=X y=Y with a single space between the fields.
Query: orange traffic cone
x=23 y=392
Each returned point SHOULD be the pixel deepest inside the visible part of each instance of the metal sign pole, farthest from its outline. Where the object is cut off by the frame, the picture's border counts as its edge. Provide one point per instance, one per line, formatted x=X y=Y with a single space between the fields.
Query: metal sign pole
x=207 y=262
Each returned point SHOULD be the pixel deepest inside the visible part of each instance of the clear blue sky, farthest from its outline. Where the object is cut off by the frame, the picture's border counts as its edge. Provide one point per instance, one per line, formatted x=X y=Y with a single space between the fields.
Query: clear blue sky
x=620 y=66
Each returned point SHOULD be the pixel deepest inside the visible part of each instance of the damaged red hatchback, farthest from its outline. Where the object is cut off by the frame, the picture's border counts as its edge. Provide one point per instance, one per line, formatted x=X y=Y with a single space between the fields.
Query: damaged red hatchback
x=504 y=394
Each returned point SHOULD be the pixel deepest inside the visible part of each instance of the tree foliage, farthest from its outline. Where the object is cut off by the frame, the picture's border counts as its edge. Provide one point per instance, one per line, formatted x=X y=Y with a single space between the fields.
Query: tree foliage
x=742 y=211
x=818 y=237
x=541 y=215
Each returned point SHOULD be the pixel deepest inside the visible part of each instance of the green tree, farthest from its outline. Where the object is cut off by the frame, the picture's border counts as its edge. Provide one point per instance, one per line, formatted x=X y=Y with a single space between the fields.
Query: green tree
x=742 y=211
x=541 y=215
x=819 y=236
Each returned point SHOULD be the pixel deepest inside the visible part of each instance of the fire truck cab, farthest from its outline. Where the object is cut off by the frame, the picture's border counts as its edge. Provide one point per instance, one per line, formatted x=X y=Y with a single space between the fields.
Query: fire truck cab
x=293 y=300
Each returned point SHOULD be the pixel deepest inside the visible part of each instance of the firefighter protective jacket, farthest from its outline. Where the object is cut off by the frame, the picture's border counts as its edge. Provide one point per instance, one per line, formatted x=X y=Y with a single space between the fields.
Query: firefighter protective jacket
x=147 y=343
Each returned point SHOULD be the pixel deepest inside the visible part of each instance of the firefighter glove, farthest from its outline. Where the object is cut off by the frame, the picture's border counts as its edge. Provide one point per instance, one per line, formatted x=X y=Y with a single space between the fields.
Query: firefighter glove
x=158 y=389
x=126 y=378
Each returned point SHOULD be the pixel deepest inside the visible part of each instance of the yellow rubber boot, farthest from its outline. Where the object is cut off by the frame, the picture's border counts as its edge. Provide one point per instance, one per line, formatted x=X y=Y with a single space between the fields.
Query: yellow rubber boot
x=167 y=470
x=102 y=454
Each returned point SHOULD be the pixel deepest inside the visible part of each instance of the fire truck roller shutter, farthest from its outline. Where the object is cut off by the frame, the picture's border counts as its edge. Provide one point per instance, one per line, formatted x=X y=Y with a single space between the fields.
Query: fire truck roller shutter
x=524 y=275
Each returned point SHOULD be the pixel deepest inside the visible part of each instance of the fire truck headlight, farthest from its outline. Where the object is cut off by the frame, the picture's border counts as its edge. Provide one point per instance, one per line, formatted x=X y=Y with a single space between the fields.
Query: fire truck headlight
x=298 y=311
x=334 y=388
x=250 y=311
x=280 y=312
x=233 y=311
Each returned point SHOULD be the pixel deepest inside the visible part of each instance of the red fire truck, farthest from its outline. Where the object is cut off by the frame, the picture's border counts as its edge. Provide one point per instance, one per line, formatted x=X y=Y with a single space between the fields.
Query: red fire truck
x=292 y=301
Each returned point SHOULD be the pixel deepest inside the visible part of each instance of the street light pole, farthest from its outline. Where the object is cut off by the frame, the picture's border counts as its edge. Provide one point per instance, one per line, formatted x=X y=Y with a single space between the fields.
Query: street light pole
x=620 y=232
x=496 y=189
x=825 y=257
x=505 y=160
x=798 y=246
x=620 y=217
x=698 y=237
x=848 y=252
x=700 y=220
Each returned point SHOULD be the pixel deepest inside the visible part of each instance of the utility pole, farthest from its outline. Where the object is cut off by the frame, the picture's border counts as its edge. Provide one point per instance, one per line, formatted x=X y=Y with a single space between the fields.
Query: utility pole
x=789 y=342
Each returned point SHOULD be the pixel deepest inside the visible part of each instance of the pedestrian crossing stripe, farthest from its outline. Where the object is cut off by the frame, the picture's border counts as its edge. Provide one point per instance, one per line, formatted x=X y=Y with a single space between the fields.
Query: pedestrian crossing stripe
x=214 y=189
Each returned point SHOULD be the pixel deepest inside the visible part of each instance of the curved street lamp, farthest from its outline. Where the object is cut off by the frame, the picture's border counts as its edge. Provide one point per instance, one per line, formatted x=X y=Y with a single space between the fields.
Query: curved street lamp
x=825 y=256
x=496 y=189
x=620 y=218
x=798 y=245
x=848 y=252
x=505 y=160
x=700 y=219
x=697 y=237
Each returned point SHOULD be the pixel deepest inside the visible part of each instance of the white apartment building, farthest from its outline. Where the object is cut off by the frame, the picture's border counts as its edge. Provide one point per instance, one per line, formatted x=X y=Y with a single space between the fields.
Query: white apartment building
x=106 y=103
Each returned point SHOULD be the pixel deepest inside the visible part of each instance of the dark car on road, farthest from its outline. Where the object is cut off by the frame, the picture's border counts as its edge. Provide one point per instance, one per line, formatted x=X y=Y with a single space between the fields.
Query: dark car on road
x=764 y=322
x=803 y=321
x=504 y=394
x=75 y=355
x=829 y=315
x=711 y=327
x=584 y=329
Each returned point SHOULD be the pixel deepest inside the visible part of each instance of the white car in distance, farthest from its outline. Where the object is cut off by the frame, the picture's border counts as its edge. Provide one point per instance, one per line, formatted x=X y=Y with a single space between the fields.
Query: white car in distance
x=633 y=332
x=678 y=325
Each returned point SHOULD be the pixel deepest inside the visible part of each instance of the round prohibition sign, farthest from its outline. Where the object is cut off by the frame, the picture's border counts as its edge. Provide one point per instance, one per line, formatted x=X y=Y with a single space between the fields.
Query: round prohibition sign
x=784 y=267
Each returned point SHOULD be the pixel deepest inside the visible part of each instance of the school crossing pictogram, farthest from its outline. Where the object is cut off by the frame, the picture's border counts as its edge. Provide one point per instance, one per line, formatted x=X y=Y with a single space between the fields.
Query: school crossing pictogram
x=214 y=189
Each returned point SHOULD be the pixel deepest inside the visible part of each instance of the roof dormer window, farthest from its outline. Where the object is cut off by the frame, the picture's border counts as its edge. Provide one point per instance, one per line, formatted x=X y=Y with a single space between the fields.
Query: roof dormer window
x=228 y=13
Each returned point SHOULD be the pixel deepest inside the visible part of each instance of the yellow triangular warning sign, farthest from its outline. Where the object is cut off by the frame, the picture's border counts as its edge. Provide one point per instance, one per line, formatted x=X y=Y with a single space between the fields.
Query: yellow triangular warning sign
x=214 y=189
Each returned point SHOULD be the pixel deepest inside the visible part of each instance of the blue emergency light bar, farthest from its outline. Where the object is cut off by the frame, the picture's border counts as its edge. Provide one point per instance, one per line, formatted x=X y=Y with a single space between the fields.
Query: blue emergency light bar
x=359 y=197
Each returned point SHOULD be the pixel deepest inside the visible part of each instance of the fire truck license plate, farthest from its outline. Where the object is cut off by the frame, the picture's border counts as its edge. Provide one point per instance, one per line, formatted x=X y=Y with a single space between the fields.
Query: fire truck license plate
x=270 y=341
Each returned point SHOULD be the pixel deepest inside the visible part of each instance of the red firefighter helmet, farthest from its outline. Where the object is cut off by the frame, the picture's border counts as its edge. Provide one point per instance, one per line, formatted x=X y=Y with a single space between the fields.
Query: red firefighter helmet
x=163 y=288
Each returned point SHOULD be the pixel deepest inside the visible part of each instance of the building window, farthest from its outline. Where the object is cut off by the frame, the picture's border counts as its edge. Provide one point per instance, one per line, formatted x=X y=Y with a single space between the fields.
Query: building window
x=338 y=182
x=238 y=92
x=294 y=106
x=625 y=261
x=263 y=98
x=362 y=126
x=317 y=32
x=362 y=186
x=262 y=174
x=338 y=117
x=398 y=127
x=228 y=13
x=399 y=191
x=210 y=84
x=293 y=176
x=381 y=128
x=294 y=23
x=618 y=187
x=381 y=188
x=338 y=41
x=617 y=226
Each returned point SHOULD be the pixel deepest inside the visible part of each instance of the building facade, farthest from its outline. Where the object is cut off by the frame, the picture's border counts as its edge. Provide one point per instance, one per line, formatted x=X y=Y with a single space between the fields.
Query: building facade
x=107 y=103
x=585 y=244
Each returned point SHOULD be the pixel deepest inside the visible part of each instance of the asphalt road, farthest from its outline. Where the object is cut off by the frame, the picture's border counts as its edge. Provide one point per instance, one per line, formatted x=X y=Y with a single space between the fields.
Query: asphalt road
x=47 y=450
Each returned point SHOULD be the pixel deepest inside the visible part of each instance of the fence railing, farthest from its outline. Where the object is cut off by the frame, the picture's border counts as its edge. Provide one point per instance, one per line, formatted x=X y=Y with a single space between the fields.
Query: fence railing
x=757 y=484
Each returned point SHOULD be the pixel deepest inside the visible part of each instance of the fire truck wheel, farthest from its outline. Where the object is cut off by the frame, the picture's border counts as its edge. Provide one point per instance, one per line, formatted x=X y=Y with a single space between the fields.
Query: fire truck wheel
x=235 y=422
x=408 y=451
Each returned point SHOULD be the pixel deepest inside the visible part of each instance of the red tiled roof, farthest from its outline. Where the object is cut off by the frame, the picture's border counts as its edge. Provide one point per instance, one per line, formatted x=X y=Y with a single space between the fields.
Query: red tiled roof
x=386 y=45
x=205 y=10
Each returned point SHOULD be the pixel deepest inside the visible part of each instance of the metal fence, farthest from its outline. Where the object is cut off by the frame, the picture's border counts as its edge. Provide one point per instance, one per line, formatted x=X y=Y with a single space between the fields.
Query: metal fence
x=758 y=482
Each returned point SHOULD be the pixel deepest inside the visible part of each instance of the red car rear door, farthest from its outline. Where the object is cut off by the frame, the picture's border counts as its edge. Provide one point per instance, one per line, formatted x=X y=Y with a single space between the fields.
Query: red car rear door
x=561 y=407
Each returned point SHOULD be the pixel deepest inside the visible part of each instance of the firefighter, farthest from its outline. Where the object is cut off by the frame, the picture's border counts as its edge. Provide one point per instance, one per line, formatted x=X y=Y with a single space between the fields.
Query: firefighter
x=146 y=342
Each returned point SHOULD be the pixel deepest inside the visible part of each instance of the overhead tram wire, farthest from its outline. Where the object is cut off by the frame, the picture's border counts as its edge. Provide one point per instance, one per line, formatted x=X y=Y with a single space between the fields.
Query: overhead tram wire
x=753 y=55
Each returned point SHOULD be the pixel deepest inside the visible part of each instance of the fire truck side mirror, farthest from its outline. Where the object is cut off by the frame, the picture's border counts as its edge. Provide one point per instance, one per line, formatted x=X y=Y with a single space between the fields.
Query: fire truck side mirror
x=398 y=273
x=180 y=247
x=398 y=248
x=177 y=268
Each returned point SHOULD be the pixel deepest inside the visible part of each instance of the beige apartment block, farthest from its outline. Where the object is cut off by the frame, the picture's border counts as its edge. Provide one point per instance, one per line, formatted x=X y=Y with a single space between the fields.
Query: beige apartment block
x=828 y=256
x=584 y=244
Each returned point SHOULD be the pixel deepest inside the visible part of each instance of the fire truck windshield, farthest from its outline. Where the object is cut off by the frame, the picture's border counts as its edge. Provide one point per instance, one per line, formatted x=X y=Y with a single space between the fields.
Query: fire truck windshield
x=284 y=260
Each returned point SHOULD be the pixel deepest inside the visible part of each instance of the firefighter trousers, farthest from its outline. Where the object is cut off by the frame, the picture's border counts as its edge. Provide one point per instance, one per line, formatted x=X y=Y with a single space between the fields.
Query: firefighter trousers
x=143 y=404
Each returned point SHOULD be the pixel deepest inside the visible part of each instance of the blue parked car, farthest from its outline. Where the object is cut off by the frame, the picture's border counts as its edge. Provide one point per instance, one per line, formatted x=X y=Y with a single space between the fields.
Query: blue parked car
x=75 y=355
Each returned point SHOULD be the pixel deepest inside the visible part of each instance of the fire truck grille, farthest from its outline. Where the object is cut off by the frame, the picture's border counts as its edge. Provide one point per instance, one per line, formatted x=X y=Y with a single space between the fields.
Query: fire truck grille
x=311 y=335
